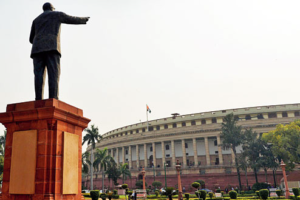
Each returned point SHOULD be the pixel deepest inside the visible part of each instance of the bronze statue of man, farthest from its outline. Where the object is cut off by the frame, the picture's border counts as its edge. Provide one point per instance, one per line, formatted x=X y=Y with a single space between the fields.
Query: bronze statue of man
x=45 y=39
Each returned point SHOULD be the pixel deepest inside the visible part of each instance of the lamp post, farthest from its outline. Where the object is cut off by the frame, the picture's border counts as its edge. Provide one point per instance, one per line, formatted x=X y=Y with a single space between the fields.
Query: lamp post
x=165 y=164
x=144 y=182
x=287 y=192
x=178 y=167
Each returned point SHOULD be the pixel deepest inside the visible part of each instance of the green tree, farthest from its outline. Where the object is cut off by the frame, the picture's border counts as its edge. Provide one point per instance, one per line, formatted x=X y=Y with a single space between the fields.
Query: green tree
x=103 y=160
x=232 y=137
x=124 y=171
x=91 y=137
x=201 y=182
x=85 y=162
x=113 y=174
x=244 y=165
x=285 y=140
x=156 y=184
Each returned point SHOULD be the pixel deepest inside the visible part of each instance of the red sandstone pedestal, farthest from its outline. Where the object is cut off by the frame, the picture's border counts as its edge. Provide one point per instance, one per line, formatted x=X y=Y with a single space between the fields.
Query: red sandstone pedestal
x=43 y=150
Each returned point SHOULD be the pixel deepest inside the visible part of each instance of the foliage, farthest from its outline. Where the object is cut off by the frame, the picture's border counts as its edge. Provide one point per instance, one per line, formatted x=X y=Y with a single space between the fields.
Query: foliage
x=113 y=173
x=85 y=162
x=201 y=182
x=232 y=137
x=259 y=186
x=94 y=194
x=2 y=142
x=169 y=192
x=86 y=195
x=210 y=194
x=279 y=193
x=115 y=191
x=285 y=142
x=115 y=196
x=129 y=192
x=156 y=184
x=218 y=190
x=148 y=191
x=196 y=185
x=187 y=196
x=296 y=191
x=124 y=186
x=156 y=193
x=103 y=196
x=264 y=193
x=257 y=193
x=233 y=194
x=203 y=194
x=139 y=184
x=124 y=171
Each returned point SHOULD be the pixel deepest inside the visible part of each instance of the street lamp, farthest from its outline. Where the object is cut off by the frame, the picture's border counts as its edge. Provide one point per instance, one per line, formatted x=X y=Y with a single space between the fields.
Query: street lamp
x=165 y=164
x=178 y=167
x=287 y=192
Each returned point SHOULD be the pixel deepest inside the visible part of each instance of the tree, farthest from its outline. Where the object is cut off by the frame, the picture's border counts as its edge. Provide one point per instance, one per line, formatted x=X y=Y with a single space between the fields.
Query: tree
x=285 y=140
x=124 y=171
x=243 y=163
x=103 y=160
x=201 y=182
x=2 y=142
x=232 y=137
x=91 y=137
x=113 y=174
x=156 y=184
x=196 y=185
x=85 y=162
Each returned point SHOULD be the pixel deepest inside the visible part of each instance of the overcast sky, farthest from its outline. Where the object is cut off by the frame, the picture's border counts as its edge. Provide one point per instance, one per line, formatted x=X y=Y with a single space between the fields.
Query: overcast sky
x=184 y=56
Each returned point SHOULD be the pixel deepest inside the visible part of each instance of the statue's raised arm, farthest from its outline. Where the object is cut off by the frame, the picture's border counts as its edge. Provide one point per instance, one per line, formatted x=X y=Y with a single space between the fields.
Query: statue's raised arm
x=46 y=52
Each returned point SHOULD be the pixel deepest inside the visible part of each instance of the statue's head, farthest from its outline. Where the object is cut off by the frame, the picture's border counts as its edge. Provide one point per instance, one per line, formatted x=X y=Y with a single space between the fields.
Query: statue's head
x=48 y=6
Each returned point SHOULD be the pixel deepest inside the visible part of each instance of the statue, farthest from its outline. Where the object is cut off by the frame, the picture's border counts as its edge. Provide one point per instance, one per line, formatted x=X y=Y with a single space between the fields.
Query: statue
x=45 y=40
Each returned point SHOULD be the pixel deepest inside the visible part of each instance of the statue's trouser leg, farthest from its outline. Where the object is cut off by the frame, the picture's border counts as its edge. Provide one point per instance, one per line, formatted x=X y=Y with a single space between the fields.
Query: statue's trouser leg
x=53 y=68
x=39 y=76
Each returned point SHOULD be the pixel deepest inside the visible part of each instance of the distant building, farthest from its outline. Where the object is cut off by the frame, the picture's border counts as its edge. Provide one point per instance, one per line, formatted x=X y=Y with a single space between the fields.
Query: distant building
x=194 y=140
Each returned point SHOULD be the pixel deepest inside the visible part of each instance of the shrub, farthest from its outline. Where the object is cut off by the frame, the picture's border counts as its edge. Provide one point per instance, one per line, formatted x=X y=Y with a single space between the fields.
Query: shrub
x=156 y=193
x=148 y=191
x=196 y=185
x=94 y=194
x=203 y=194
x=259 y=186
x=129 y=192
x=264 y=193
x=156 y=184
x=257 y=193
x=242 y=192
x=279 y=193
x=187 y=196
x=169 y=192
x=86 y=194
x=296 y=191
x=210 y=194
x=233 y=194
x=124 y=186
x=139 y=184
x=103 y=196
x=115 y=192
x=109 y=195
x=218 y=190
x=115 y=196
x=201 y=182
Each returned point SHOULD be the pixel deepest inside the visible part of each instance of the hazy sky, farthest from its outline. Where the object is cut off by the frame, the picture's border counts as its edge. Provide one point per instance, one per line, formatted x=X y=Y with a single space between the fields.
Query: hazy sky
x=182 y=56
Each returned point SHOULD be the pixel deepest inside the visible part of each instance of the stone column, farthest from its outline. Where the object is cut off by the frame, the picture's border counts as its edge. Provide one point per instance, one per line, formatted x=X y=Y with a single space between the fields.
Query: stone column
x=173 y=153
x=129 y=157
x=220 y=150
x=123 y=155
x=183 y=153
x=163 y=152
x=154 y=154
x=117 y=156
x=207 y=151
x=145 y=155
x=137 y=156
x=232 y=157
x=195 y=151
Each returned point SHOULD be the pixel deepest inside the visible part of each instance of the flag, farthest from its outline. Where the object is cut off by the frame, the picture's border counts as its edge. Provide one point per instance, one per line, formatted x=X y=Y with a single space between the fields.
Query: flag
x=148 y=109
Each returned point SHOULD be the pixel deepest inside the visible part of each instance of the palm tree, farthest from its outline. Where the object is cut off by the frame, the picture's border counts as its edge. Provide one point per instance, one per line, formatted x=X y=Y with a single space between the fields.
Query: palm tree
x=103 y=160
x=232 y=137
x=2 y=142
x=91 y=137
x=124 y=171
x=244 y=165
x=85 y=162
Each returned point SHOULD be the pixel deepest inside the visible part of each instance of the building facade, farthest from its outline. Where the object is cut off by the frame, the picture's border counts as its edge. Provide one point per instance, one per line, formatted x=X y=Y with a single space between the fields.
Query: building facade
x=193 y=139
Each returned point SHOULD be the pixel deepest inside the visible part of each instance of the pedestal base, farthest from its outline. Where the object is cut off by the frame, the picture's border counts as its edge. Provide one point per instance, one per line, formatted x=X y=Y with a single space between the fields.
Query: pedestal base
x=55 y=129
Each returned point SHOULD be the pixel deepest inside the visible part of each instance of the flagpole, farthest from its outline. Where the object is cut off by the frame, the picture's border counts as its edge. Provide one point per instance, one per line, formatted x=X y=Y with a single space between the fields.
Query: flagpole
x=147 y=118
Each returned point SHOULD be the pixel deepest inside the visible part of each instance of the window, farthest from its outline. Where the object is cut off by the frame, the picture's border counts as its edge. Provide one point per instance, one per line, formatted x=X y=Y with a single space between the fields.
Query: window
x=150 y=128
x=166 y=126
x=151 y=149
x=186 y=145
x=125 y=133
x=131 y=132
x=272 y=115
x=167 y=155
x=213 y=120
x=183 y=124
x=284 y=114
x=297 y=114
x=158 y=128
x=143 y=129
x=137 y=131
x=260 y=116
x=216 y=152
x=203 y=121
x=126 y=152
x=167 y=147
x=216 y=143
x=186 y=154
x=223 y=111
x=193 y=123
x=248 y=117
x=168 y=163
x=174 y=125
x=217 y=161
